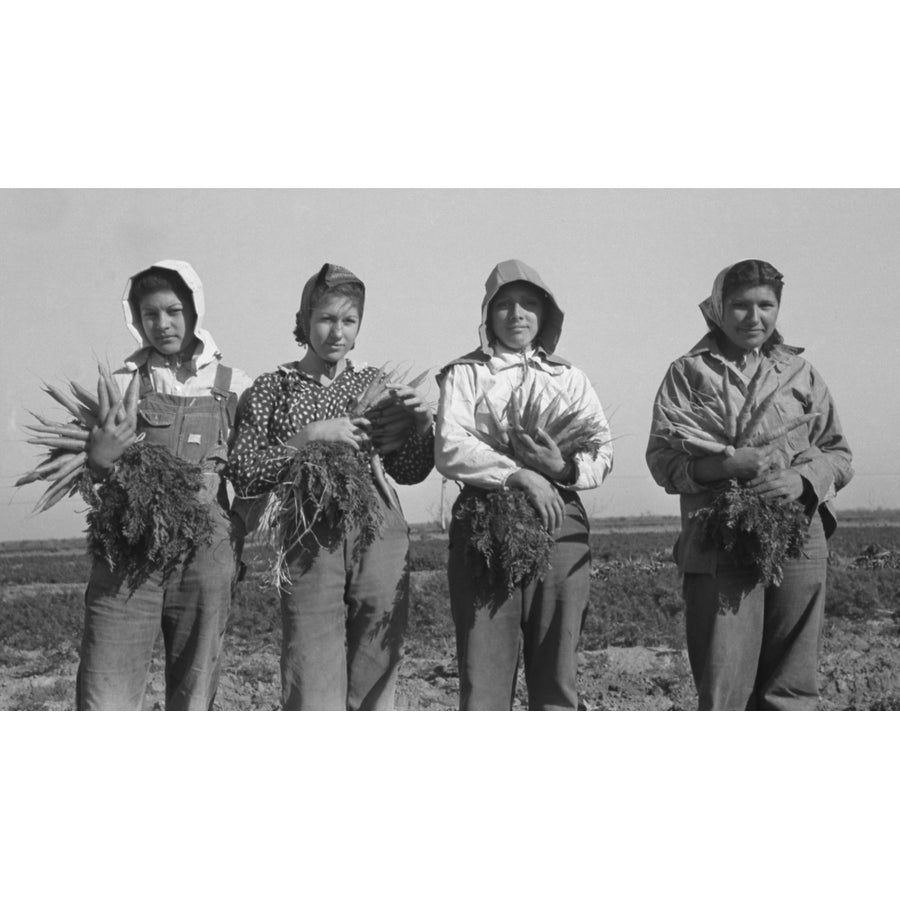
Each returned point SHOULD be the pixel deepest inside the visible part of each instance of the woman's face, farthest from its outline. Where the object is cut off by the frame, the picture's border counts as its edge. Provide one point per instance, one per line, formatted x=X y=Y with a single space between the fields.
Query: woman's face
x=167 y=322
x=749 y=315
x=516 y=315
x=333 y=326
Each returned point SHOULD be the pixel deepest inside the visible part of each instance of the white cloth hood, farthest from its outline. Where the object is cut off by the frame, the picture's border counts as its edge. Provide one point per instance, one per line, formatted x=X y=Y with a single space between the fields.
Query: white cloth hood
x=505 y=273
x=207 y=350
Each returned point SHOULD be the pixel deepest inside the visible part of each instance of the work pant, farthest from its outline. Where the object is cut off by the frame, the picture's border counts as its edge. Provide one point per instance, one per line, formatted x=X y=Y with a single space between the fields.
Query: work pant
x=121 y=627
x=344 y=618
x=756 y=647
x=545 y=617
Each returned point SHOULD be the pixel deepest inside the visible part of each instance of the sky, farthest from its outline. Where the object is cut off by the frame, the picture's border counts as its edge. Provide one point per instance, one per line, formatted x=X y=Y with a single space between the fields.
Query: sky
x=628 y=266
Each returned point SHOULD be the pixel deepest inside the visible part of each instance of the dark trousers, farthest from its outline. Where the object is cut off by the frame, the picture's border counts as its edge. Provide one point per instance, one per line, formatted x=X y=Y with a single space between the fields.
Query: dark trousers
x=544 y=617
x=755 y=647
x=344 y=620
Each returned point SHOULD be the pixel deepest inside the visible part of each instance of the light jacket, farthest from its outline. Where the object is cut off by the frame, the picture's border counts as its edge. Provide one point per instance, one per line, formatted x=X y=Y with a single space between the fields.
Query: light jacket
x=475 y=389
x=818 y=451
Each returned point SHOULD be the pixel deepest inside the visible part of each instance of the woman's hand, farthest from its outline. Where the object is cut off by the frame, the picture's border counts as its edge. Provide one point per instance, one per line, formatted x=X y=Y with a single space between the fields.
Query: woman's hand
x=541 y=454
x=107 y=442
x=745 y=463
x=116 y=428
x=394 y=418
x=544 y=497
x=778 y=484
x=749 y=462
x=344 y=430
x=412 y=401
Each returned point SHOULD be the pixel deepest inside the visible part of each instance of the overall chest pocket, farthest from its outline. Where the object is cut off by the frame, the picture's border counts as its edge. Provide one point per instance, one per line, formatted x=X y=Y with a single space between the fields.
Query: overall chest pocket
x=157 y=422
x=190 y=428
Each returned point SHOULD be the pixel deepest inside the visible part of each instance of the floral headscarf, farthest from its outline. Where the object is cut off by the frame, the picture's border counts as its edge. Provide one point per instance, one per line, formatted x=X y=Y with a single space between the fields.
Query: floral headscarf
x=713 y=306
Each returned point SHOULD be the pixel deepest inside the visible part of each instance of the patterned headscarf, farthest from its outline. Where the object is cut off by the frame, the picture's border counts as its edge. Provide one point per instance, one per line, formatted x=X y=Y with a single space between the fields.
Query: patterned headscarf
x=712 y=307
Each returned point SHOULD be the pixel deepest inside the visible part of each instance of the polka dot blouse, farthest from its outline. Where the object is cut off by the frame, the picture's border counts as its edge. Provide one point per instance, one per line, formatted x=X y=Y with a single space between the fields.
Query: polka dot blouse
x=280 y=403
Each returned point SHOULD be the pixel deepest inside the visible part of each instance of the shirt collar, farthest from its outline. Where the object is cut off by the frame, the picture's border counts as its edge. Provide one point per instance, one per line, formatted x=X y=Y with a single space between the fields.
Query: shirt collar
x=206 y=352
x=290 y=369
x=538 y=358
x=780 y=354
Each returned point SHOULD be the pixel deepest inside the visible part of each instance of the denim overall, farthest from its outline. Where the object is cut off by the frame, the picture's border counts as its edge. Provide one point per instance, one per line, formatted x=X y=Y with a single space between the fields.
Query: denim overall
x=192 y=605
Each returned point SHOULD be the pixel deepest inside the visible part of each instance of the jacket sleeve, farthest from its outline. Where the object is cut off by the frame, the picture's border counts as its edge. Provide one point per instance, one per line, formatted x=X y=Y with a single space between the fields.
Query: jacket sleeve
x=256 y=463
x=414 y=461
x=590 y=470
x=458 y=453
x=669 y=461
x=826 y=466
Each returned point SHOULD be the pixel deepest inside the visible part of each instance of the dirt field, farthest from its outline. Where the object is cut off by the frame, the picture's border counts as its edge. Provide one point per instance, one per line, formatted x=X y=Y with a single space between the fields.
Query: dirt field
x=632 y=654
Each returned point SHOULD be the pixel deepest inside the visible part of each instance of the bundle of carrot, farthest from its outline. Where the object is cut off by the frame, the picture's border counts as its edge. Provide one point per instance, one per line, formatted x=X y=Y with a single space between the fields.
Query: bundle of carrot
x=64 y=462
x=505 y=540
x=758 y=533
x=329 y=484
x=572 y=432
x=504 y=532
x=146 y=515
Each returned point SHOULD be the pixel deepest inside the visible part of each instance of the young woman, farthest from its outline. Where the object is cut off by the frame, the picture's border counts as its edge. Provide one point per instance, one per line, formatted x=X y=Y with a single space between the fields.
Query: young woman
x=188 y=402
x=521 y=323
x=344 y=612
x=750 y=645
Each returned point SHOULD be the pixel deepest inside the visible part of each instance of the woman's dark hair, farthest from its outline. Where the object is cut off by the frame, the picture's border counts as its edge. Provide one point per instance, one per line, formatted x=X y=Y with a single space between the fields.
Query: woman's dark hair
x=351 y=290
x=751 y=273
x=154 y=280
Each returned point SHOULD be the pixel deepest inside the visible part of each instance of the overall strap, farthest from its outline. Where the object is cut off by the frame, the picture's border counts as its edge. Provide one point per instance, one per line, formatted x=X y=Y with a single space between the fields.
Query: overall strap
x=146 y=380
x=221 y=390
x=222 y=384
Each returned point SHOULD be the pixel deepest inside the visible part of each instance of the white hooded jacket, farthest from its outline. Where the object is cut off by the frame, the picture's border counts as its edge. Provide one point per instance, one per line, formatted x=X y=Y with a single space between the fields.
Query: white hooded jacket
x=485 y=378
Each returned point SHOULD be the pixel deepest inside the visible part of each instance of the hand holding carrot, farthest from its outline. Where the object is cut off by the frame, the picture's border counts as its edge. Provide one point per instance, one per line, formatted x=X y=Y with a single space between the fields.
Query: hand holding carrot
x=542 y=495
x=539 y=452
x=778 y=484
x=343 y=430
x=396 y=414
x=115 y=430
x=408 y=398
x=748 y=462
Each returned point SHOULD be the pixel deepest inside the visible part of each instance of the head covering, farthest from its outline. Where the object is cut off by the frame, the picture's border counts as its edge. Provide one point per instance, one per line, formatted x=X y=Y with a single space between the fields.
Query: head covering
x=713 y=307
x=185 y=272
x=506 y=273
x=326 y=279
